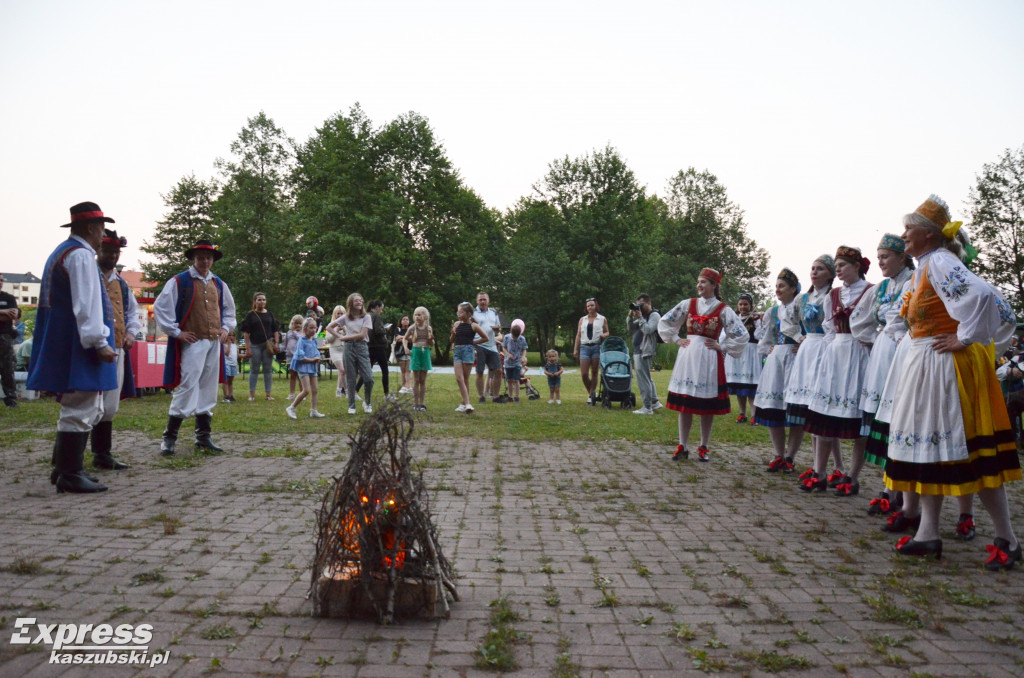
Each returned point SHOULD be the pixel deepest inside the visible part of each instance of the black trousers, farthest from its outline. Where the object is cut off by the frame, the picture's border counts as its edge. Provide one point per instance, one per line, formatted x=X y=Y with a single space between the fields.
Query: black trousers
x=378 y=356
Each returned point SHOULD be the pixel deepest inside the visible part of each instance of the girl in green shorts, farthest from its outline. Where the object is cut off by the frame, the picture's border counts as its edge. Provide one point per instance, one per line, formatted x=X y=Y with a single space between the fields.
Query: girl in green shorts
x=421 y=338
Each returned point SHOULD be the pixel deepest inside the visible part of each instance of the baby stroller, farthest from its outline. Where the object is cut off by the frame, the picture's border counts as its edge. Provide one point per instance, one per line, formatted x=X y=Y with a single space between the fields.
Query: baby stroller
x=616 y=374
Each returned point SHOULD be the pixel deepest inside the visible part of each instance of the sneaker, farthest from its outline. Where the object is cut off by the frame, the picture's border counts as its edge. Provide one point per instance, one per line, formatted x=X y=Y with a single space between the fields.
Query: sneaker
x=460 y=409
x=252 y=398
x=657 y=406
x=681 y=453
x=742 y=419
x=405 y=390
x=368 y=408
x=290 y=396
x=359 y=398
x=291 y=412
x=644 y=410
x=316 y=415
x=339 y=393
x=551 y=402
x=226 y=400
x=702 y=453
x=391 y=397
x=516 y=399
x=469 y=409
x=787 y=465
x=558 y=402
x=352 y=410
x=776 y=464
x=482 y=400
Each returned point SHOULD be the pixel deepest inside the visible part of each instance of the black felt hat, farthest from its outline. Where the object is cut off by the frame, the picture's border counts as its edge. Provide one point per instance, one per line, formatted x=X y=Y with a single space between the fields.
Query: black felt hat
x=86 y=212
x=205 y=246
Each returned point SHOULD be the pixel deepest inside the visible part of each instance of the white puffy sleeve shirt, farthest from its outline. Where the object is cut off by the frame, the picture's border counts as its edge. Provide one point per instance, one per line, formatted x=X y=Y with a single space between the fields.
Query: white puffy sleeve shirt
x=87 y=294
x=981 y=310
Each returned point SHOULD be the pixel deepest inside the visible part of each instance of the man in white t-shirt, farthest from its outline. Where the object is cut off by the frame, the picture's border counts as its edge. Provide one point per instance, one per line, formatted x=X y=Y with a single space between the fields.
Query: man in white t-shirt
x=487 y=352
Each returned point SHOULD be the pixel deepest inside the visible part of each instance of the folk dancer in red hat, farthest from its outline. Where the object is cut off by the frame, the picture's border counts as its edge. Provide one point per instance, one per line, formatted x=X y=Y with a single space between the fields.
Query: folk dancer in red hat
x=698 y=384
x=197 y=312
x=834 y=412
x=126 y=326
x=72 y=354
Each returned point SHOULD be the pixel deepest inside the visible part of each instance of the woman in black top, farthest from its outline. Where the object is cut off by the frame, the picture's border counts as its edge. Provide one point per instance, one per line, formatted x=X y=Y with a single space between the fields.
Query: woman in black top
x=262 y=337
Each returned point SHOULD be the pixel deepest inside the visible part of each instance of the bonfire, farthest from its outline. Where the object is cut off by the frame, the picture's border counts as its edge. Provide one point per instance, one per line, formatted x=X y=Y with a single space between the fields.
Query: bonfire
x=377 y=552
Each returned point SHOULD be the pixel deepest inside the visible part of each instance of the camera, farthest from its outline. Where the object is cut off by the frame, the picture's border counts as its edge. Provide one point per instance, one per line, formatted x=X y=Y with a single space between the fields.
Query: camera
x=634 y=307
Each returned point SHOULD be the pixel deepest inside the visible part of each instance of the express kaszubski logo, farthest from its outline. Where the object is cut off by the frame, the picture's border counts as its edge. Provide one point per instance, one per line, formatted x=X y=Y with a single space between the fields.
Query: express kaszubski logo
x=91 y=644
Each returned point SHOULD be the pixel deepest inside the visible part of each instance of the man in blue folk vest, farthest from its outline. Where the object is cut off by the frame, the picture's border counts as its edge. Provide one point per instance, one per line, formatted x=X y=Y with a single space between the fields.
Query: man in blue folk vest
x=126 y=326
x=197 y=312
x=72 y=354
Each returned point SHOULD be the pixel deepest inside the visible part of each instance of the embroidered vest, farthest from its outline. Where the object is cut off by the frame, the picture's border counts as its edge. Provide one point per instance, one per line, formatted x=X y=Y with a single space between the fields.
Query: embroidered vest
x=840 y=313
x=204 y=318
x=709 y=326
x=117 y=300
x=811 y=315
x=925 y=313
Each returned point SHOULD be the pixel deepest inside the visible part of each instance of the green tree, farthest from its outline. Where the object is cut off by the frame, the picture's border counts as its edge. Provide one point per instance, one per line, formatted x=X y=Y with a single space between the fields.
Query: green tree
x=253 y=214
x=347 y=228
x=599 y=245
x=700 y=226
x=996 y=213
x=383 y=211
x=536 y=276
x=187 y=220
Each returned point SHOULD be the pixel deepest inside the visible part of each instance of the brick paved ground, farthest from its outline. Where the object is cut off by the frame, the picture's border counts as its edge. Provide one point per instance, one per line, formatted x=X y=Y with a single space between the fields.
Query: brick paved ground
x=619 y=562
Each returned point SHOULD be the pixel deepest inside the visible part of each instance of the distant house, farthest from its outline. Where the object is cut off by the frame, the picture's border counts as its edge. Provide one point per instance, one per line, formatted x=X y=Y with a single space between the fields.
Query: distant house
x=140 y=287
x=24 y=287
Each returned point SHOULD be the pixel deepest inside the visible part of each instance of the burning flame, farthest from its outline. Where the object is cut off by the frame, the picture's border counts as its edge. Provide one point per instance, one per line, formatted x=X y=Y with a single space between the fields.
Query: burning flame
x=350 y=528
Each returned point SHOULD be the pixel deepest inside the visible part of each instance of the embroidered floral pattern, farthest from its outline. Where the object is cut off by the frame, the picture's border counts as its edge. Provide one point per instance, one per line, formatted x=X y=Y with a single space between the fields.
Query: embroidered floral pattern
x=840 y=401
x=955 y=285
x=911 y=439
x=1005 y=314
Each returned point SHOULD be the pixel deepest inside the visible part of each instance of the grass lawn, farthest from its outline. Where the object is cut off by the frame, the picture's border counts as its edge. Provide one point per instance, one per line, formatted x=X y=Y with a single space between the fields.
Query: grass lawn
x=526 y=420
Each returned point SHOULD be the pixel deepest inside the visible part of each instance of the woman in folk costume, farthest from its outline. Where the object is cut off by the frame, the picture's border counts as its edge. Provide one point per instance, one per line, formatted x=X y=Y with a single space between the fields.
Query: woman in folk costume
x=743 y=372
x=803 y=375
x=779 y=345
x=698 y=378
x=905 y=506
x=834 y=412
x=885 y=328
x=949 y=432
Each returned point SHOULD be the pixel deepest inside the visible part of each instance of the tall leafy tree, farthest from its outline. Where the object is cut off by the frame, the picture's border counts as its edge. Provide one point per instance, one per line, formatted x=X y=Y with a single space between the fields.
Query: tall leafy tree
x=601 y=239
x=253 y=213
x=348 y=231
x=996 y=213
x=189 y=204
x=384 y=212
x=701 y=226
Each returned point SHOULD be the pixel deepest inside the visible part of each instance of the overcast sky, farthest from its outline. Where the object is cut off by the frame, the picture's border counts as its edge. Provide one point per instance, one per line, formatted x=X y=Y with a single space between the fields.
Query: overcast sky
x=826 y=121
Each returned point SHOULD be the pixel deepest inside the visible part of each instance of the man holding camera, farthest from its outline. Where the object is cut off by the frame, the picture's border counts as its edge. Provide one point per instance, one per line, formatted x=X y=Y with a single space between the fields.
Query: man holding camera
x=642 y=322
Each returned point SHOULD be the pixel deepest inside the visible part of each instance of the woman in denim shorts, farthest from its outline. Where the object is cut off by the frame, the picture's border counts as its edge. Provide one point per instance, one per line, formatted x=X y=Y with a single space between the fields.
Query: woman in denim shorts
x=592 y=330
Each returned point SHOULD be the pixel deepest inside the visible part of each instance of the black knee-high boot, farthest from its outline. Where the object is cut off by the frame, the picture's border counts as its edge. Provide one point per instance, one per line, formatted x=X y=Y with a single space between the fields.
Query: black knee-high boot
x=204 y=424
x=69 y=455
x=170 y=435
x=102 y=435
